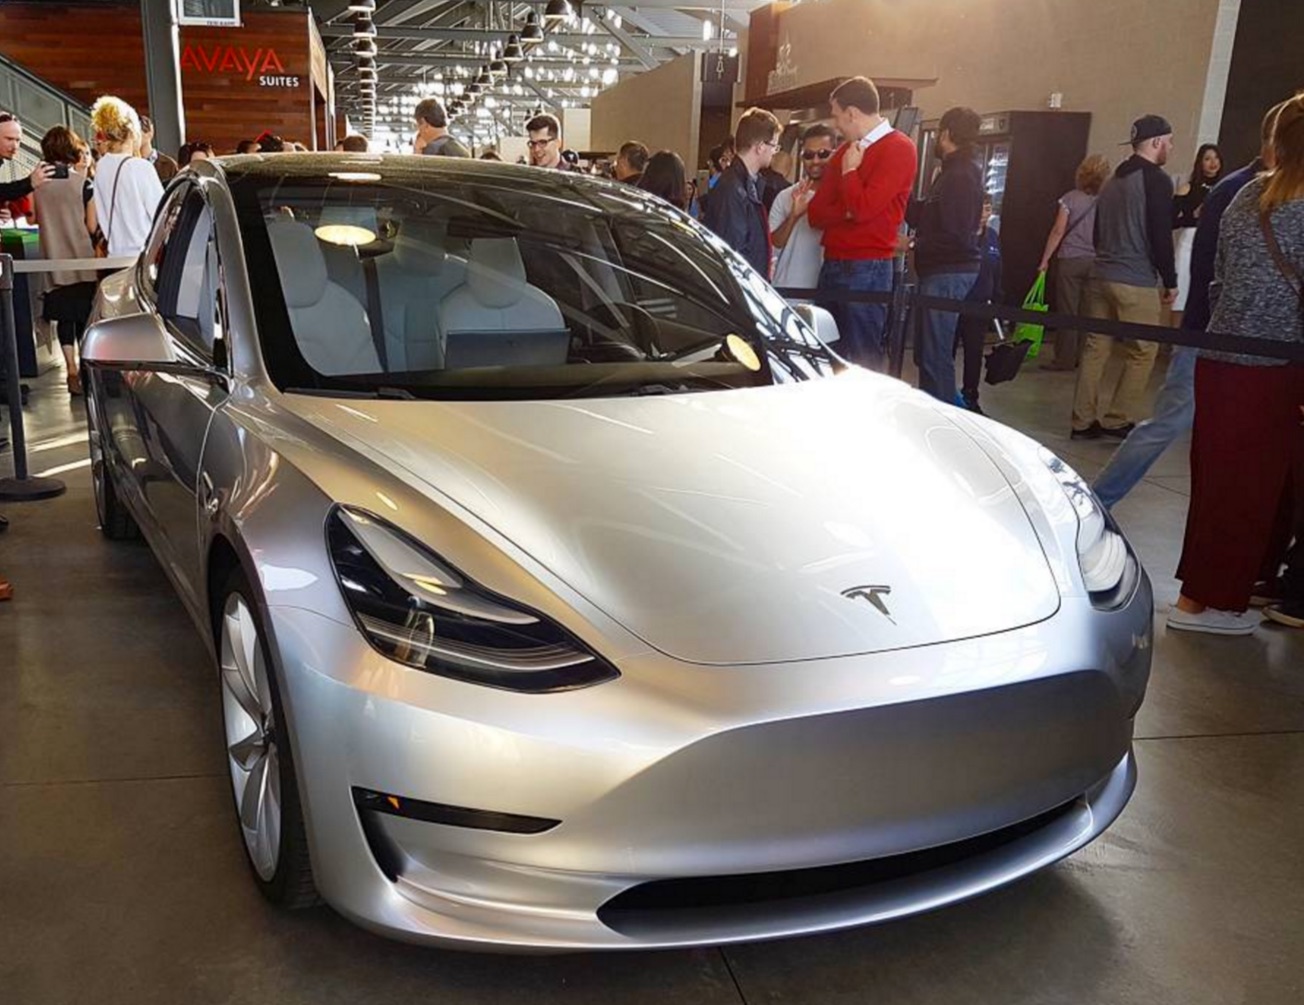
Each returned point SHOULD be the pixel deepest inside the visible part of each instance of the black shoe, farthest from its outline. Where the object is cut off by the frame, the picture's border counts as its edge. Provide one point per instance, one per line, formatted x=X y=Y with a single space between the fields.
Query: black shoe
x=1117 y=432
x=1092 y=432
x=4 y=524
x=971 y=404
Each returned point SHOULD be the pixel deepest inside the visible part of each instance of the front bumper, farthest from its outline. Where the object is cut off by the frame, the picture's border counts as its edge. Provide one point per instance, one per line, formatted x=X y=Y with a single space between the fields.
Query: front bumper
x=688 y=775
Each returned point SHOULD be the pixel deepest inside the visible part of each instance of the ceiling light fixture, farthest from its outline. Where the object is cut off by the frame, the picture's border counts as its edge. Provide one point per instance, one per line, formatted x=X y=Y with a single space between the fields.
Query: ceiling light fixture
x=532 y=33
x=513 y=53
x=557 y=13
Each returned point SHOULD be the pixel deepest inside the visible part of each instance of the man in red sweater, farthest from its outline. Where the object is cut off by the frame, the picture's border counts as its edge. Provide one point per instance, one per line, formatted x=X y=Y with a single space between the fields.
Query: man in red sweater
x=860 y=206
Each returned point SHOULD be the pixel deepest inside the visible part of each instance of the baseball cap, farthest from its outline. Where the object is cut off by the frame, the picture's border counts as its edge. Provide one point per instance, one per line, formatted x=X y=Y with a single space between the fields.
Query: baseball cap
x=1147 y=128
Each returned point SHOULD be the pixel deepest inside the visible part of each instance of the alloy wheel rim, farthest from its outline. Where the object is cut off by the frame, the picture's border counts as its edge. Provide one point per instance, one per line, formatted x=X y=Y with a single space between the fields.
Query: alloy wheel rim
x=251 y=741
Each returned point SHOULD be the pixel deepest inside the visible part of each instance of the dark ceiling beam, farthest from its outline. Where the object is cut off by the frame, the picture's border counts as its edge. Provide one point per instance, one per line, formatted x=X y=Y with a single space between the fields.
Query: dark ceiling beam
x=433 y=59
x=484 y=35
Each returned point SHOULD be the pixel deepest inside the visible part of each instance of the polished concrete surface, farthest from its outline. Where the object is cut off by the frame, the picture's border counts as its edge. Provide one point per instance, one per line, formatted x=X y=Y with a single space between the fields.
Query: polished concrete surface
x=122 y=878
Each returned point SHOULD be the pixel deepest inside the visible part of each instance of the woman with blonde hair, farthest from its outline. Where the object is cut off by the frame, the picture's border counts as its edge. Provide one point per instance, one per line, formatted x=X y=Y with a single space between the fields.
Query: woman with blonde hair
x=1247 y=439
x=127 y=188
x=1072 y=245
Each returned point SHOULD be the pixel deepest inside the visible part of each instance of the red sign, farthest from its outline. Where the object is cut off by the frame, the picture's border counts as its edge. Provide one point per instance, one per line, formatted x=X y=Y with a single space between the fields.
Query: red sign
x=230 y=59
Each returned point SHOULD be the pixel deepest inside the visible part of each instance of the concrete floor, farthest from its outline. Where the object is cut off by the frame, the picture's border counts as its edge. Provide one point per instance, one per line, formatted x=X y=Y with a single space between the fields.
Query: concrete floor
x=122 y=878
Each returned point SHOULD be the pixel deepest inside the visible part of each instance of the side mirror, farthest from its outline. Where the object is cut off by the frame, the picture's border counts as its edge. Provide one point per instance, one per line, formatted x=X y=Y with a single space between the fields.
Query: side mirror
x=821 y=322
x=130 y=341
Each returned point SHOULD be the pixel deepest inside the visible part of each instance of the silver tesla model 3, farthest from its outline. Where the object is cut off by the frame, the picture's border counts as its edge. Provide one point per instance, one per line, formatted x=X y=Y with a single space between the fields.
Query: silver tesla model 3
x=568 y=591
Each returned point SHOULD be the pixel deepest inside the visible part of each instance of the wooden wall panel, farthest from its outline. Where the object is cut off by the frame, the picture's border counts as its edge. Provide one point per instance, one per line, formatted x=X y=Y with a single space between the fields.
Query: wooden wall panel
x=236 y=82
x=239 y=82
x=84 y=49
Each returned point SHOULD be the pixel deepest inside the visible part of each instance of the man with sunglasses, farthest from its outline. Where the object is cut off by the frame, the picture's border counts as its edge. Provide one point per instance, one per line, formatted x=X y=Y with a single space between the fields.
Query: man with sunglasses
x=736 y=210
x=800 y=252
x=11 y=135
x=545 y=142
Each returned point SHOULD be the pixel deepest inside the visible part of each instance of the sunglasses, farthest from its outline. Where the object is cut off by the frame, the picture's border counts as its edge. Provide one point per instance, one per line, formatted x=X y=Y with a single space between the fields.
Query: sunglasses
x=810 y=155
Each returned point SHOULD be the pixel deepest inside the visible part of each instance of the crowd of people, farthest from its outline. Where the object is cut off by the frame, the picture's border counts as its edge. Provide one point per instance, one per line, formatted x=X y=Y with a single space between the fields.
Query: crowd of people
x=1223 y=252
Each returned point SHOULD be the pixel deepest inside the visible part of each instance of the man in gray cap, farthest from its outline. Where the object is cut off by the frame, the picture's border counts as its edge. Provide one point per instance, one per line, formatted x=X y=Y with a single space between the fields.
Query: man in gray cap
x=1133 y=277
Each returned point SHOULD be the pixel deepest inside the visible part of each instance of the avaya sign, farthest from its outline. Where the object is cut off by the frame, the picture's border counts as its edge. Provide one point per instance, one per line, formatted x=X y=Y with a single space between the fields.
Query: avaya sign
x=262 y=64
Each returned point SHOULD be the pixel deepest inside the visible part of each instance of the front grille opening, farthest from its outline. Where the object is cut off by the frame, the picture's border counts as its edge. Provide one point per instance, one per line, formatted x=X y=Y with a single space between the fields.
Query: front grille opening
x=672 y=903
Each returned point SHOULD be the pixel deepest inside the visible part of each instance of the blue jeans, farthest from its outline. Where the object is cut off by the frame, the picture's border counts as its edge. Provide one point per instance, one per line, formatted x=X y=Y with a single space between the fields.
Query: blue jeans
x=1174 y=413
x=862 y=326
x=935 y=351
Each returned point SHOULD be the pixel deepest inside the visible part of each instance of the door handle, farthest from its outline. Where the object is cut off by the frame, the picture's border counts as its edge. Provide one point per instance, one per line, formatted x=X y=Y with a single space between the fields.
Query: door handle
x=208 y=496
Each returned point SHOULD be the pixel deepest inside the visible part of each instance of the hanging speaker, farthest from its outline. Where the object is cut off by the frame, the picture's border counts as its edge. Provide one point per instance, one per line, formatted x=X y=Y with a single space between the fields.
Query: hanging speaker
x=719 y=68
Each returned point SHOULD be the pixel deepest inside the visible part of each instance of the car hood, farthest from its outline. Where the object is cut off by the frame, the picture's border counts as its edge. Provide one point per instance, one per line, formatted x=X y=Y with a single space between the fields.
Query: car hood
x=793 y=522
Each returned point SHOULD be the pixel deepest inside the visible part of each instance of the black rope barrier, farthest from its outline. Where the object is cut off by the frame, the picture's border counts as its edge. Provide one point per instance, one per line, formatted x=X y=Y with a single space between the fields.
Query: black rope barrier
x=913 y=300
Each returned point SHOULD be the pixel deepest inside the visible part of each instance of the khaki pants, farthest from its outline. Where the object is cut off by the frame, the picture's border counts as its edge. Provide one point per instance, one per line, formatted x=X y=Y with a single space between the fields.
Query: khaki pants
x=1116 y=302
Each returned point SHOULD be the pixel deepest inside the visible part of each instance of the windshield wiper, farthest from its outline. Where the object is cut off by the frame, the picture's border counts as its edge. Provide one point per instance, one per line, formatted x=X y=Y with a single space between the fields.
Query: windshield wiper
x=371 y=394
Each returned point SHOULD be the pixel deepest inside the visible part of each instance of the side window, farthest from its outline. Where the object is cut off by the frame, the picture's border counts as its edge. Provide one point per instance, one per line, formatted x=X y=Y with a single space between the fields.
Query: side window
x=159 y=244
x=188 y=279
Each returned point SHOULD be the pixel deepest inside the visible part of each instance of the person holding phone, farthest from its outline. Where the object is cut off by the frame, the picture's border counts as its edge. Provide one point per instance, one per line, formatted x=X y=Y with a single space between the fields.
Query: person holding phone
x=11 y=136
x=65 y=214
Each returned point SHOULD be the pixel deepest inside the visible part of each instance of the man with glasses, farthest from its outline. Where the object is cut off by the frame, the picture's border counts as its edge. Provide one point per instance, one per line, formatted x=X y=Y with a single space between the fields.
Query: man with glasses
x=11 y=135
x=545 y=142
x=736 y=210
x=800 y=252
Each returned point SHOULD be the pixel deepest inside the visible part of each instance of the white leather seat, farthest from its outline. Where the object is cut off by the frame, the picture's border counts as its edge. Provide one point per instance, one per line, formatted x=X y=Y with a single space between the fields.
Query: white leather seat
x=413 y=280
x=496 y=296
x=330 y=326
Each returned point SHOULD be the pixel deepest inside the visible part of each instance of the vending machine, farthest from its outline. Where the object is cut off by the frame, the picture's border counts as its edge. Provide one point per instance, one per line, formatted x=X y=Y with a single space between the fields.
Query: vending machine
x=1028 y=160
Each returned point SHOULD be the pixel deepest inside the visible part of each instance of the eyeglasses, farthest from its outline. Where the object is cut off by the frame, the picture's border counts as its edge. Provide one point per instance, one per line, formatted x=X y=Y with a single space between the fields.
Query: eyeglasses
x=810 y=155
x=537 y=144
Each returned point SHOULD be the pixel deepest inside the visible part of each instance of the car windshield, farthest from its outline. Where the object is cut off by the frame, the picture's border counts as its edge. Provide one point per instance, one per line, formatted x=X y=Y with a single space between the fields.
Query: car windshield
x=395 y=277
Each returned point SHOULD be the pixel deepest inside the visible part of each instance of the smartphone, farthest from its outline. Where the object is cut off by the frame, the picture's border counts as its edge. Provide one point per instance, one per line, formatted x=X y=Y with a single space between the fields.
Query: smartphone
x=60 y=171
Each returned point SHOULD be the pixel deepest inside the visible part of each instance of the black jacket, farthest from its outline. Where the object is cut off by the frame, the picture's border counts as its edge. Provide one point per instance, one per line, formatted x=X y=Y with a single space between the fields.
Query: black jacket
x=735 y=212
x=946 y=222
x=12 y=190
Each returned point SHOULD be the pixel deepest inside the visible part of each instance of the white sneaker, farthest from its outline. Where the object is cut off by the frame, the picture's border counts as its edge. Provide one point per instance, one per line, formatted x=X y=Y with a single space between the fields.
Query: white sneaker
x=1212 y=621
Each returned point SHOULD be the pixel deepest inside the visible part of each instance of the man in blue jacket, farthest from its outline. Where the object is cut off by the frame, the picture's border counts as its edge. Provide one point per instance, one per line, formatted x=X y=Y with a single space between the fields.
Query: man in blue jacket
x=736 y=210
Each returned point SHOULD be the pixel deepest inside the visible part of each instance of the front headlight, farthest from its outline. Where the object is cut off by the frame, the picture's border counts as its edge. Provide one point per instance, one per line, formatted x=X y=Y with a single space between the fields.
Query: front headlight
x=1108 y=566
x=420 y=612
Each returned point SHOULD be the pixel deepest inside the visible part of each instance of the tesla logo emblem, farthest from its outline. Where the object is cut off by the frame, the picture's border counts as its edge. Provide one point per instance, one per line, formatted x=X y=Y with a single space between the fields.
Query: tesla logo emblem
x=873 y=595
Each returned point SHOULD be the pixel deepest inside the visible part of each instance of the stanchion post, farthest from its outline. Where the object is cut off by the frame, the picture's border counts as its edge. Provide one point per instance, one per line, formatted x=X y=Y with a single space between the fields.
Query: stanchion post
x=20 y=487
x=900 y=309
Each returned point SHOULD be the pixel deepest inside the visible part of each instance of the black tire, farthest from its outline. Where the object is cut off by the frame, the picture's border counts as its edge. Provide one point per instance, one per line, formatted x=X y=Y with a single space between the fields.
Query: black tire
x=115 y=522
x=291 y=886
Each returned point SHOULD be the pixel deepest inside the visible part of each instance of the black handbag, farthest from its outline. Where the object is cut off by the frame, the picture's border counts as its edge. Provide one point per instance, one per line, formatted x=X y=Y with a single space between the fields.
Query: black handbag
x=1004 y=361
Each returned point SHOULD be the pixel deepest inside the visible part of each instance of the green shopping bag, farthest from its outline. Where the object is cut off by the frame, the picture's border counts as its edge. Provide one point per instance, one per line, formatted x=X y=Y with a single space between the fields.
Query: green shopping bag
x=1034 y=301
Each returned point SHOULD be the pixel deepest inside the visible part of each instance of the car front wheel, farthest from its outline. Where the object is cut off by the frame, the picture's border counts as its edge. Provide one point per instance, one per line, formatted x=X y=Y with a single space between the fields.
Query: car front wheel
x=258 y=752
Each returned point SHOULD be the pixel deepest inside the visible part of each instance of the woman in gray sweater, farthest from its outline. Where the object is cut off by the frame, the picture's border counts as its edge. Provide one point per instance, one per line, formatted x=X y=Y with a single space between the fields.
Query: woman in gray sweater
x=1247 y=437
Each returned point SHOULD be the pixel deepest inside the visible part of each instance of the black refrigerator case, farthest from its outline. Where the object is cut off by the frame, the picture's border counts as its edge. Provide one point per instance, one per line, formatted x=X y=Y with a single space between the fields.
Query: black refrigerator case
x=1029 y=160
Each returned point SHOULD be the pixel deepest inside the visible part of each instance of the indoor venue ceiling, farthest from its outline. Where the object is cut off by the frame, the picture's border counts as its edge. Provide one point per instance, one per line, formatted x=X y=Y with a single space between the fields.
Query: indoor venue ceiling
x=388 y=54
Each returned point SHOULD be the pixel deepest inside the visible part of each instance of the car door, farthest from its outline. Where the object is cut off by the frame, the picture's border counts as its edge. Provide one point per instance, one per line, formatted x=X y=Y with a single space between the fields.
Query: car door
x=174 y=403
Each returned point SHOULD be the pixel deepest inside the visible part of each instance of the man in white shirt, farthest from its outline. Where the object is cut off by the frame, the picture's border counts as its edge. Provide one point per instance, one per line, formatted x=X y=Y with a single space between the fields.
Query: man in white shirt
x=796 y=243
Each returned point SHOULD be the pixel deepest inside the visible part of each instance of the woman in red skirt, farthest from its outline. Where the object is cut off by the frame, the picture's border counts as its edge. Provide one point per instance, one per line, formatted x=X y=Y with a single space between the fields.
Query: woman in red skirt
x=1248 y=437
